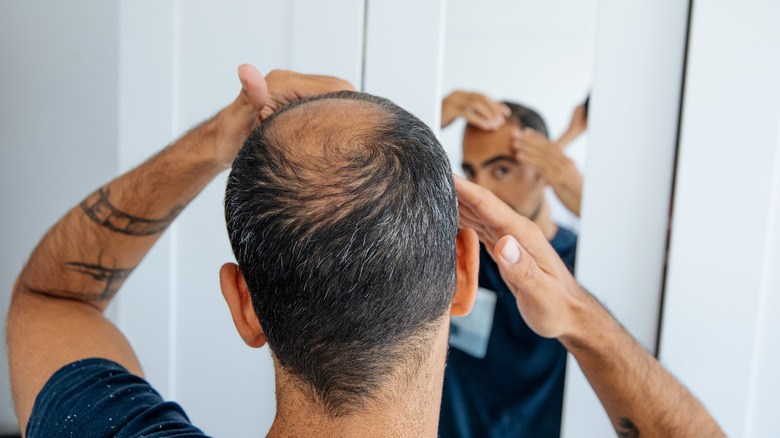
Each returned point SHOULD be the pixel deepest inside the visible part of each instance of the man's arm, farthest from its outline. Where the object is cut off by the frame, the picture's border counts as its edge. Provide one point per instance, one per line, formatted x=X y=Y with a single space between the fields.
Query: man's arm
x=577 y=125
x=639 y=395
x=561 y=173
x=56 y=314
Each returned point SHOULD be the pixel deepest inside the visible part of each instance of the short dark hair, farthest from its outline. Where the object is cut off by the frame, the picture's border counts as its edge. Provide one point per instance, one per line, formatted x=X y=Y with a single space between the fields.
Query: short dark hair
x=527 y=117
x=349 y=257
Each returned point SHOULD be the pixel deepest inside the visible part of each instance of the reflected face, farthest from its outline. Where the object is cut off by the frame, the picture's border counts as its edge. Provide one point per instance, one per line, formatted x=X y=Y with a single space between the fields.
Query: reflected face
x=488 y=161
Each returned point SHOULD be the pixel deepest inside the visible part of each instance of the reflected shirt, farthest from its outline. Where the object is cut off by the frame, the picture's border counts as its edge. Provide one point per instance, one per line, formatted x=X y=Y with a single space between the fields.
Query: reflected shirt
x=100 y=398
x=516 y=389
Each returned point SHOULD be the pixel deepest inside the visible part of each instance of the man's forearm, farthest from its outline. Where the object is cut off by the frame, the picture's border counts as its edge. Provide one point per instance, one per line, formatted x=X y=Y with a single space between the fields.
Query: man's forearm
x=639 y=395
x=570 y=195
x=88 y=254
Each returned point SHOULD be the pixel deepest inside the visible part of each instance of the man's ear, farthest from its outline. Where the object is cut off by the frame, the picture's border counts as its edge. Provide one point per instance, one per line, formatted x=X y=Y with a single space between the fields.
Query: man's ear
x=239 y=302
x=467 y=250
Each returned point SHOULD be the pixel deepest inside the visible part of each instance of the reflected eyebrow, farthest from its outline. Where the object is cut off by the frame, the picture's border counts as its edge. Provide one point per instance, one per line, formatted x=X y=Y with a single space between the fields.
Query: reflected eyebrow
x=499 y=158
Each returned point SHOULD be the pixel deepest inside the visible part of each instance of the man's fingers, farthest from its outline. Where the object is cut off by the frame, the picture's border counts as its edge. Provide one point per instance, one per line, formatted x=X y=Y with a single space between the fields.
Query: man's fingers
x=529 y=148
x=480 y=121
x=479 y=110
x=537 y=294
x=517 y=266
x=482 y=210
x=530 y=141
x=532 y=136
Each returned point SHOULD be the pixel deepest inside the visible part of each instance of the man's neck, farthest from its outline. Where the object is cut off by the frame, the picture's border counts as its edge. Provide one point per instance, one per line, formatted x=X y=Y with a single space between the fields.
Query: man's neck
x=542 y=220
x=410 y=409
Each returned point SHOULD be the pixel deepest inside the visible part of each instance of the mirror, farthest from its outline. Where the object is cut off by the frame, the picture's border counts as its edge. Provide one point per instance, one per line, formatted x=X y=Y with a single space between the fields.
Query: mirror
x=538 y=54
x=501 y=378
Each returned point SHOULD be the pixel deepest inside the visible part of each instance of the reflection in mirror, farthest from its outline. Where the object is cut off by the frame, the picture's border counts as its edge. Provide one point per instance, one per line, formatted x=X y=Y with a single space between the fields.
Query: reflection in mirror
x=516 y=81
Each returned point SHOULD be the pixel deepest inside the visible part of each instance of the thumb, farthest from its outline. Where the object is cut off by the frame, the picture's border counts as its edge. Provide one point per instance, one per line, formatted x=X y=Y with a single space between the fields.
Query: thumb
x=518 y=268
x=254 y=90
x=241 y=117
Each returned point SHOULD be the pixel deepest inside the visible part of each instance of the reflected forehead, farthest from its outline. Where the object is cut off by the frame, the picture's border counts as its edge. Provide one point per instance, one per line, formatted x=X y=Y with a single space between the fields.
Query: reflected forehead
x=481 y=146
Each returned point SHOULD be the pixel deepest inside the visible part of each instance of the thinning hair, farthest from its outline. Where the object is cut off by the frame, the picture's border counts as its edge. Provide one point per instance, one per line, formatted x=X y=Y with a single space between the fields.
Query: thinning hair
x=526 y=117
x=345 y=234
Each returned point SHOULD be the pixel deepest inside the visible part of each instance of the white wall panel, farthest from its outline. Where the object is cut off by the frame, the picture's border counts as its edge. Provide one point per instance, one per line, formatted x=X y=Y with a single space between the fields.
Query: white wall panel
x=146 y=111
x=58 y=128
x=404 y=50
x=326 y=38
x=226 y=387
x=634 y=113
x=720 y=326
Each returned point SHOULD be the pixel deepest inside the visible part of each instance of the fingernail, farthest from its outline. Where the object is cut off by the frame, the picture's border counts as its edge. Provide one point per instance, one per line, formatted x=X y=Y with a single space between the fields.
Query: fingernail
x=511 y=252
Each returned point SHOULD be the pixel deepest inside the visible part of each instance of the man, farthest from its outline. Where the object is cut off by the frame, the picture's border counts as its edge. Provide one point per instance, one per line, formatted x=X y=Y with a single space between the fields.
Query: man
x=530 y=145
x=342 y=215
x=502 y=379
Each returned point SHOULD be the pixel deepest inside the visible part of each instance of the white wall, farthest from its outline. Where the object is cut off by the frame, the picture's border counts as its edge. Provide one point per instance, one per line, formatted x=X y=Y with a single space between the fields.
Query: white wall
x=403 y=55
x=722 y=311
x=536 y=53
x=58 y=127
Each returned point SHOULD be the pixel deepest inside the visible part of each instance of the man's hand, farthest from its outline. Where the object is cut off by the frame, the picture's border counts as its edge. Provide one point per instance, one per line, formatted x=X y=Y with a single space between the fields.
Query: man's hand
x=478 y=110
x=547 y=295
x=639 y=395
x=559 y=170
x=259 y=98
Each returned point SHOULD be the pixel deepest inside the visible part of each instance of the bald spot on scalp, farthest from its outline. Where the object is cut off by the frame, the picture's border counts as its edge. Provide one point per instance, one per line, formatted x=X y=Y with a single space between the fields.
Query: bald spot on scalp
x=322 y=128
x=324 y=146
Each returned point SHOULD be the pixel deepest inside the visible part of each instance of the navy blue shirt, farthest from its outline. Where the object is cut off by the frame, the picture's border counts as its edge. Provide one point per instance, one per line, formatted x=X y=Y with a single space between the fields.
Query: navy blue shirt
x=100 y=398
x=516 y=390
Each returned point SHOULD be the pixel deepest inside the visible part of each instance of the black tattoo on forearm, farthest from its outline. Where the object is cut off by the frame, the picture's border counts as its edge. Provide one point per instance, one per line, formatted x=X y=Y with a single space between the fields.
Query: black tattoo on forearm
x=98 y=208
x=111 y=278
x=627 y=429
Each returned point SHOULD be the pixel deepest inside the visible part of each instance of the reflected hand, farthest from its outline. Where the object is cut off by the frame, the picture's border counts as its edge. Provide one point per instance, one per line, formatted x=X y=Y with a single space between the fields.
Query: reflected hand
x=547 y=295
x=258 y=99
x=478 y=110
x=561 y=173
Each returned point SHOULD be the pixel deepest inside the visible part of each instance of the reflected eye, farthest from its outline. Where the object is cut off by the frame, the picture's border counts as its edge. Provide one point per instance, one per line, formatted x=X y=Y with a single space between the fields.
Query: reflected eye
x=500 y=171
x=469 y=173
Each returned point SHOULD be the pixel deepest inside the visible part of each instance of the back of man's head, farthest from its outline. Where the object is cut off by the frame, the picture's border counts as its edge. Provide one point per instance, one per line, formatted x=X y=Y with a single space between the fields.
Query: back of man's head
x=342 y=215
x=526 y=117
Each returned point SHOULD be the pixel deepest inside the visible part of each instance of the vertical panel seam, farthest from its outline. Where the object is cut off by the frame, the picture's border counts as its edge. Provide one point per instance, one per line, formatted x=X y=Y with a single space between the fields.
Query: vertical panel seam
x=665 y=273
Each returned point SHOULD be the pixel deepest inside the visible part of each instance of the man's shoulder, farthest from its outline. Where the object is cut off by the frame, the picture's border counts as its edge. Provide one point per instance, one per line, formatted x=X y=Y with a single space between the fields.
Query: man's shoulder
x=564 y=237
x=98 y=397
